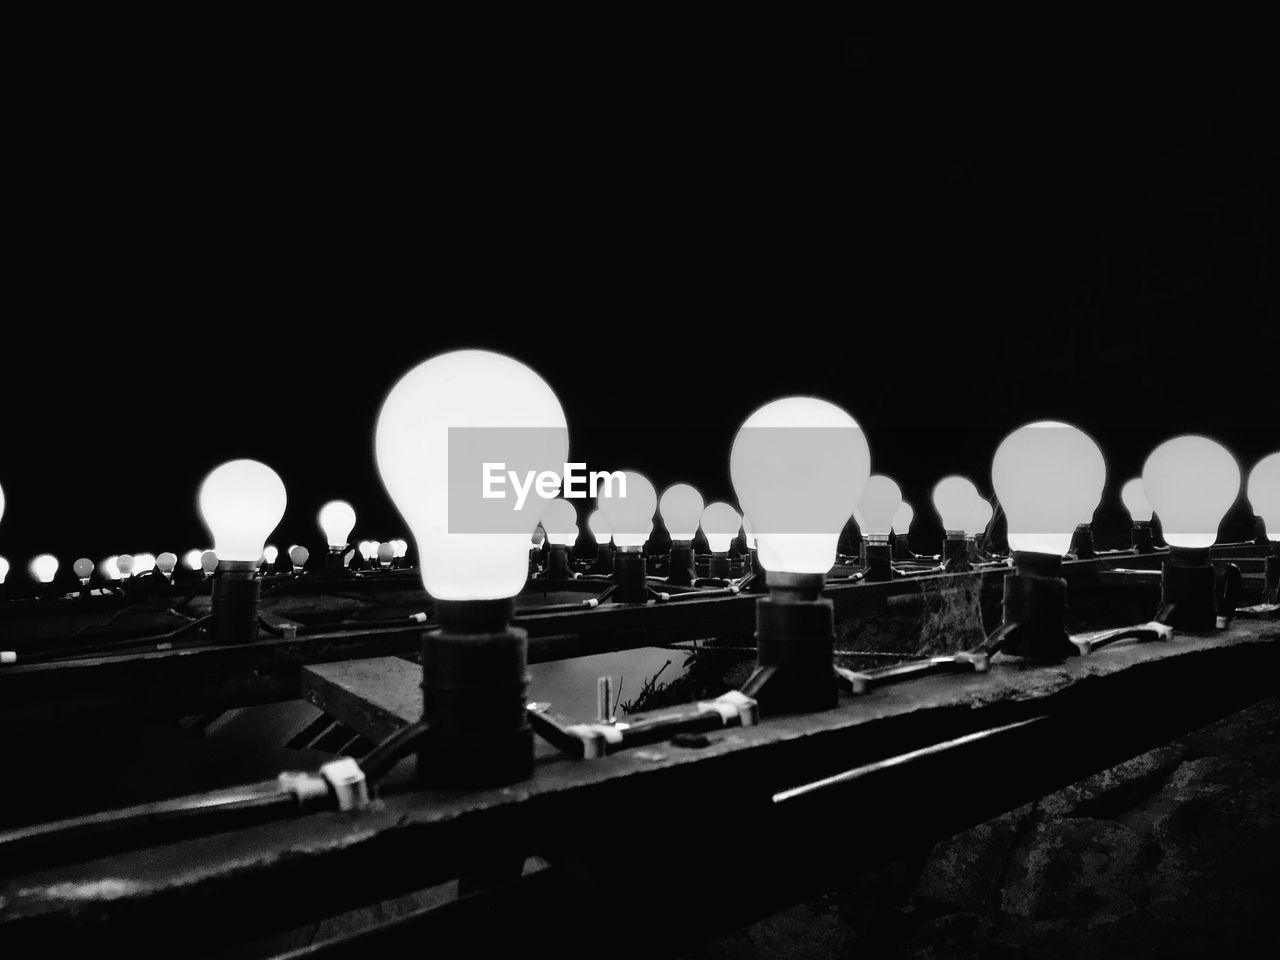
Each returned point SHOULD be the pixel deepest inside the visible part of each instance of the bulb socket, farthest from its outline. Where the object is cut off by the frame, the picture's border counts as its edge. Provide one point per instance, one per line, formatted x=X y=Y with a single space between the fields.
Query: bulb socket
x=1035 y=609
x=902 y=547
x=558 y=563
x=955 y=552
x=795 y=639
x=681 y=571
x=1082 y=542
x=604 y=558
x=1143 y=541
x=1271 y=574
x=878 y=566
x=720 y=568
x=629 y=575
x=1193 y=595
x=475 y=683
x=234 y=603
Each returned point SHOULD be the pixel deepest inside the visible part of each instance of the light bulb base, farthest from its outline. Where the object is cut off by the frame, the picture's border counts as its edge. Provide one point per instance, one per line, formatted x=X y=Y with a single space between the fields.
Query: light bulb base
x=475 y=682
x=1143 y=541
x=681 y=570
x=604 y=558
x=1194 y=595
x=629 y=575
x=878 y=566
x=1271 y=575
x=955 y=552
x=902 y=547
x=1082 y=543
x=720 y=568
x=234 y=602
x=1035 y=611
x=795 y=640
x=333 y=559
x=558 y=563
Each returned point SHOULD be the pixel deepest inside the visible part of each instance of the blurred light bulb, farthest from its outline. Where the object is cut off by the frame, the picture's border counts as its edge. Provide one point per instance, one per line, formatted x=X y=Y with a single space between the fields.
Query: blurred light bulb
x=1264 y=493
x=375 y=547
x=720 y=522
x=109 y=569
x=902 y=518
x=386 y=553
x=271 y=553
x=337 y=520
x=980 y=514
x=45 y=567
x=166 y=562
x=241 y=502
x=365 y=549
x=631 y=517
x=880 y=501
x=466 y=389
x=953 y=498
x=1047 y=475
x=191 y=559
x=209 y=561
x=681 y=510
x=143 y=563
x=799 y=466
x=298 y=556
x=124 y=563
x=560 y=520
x=4 y=569
x=402 y=548
x=83 y=569
x=748 y=533
x=1134 y=498
x=598 y=524
x=1192 y=482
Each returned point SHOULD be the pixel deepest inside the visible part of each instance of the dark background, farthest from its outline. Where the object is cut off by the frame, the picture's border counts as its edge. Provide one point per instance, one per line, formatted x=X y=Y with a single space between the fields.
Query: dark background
x=224 y=256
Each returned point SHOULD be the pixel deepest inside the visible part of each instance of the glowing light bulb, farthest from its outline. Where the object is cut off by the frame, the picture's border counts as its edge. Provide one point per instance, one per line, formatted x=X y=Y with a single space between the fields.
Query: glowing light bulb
x=467 y=389
x=375 y=547
x=143 y=563
x=83 y=569
x=241 y=502
x=124 y=563
x=631 y=517
x=337 y=520
x=902 y=518
x=720 y=522
x=1134 y=498
x=166 y=562
x=953 y=498
x=209 y=562
x=598 y=524
x=191 y=559
x=4 y=569
x=538 y=537
x=401 y=547
x=880 y=501
x=386 y=553
x=45 y=567
x=980 y=514
x=271 y=553
x=560 y=520
x=365 y=549
x=298 y=556
x=799 y=466
x=1192 y=482
x=1047 y=475
x=681 y=509
x=109 y=569
x=1264 y=493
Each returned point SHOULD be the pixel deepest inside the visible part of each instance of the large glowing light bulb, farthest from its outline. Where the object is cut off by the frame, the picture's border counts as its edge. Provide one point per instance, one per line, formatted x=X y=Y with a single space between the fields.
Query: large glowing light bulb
x=271 y=553
x=799 y=466
x=1047 y=475
x=598 y=524
x=880 y=501
x=45 y=567
x=1134 y=498
x=902 y=519
x=191 y=559
x=681 y=510
x=560 y=520
x=4 y=569
x=1264 y=493
x=241 y=502
x=337 y=520
x=720 y=522
x=631 y=516
x=953 y=498
x=1192 y=482
x=455 y=391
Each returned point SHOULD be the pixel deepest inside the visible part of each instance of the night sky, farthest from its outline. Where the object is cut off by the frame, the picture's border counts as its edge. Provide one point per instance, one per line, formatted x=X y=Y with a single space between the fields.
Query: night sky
x=948 y=240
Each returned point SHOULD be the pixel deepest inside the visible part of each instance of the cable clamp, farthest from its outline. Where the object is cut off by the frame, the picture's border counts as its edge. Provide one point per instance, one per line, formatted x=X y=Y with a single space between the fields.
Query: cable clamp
x=595 y=737
x=418 y=617
x=732 y=705
x=305 y=786
x=346 y=779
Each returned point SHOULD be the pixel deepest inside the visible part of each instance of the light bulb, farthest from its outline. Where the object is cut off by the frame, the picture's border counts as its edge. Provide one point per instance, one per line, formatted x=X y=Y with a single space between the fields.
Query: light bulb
x=980 y=514
x=109 y=569
x=538 y=537
x=748 y=533
x=124 y=563
x=1192 y=482
x=454 y=392
x=166 y=562
x=191 y=559
x=1264 y=493
x=902 y=519
x=681 y=509
x=298 y=556
x=720 y=522
x=1134 y=498
x=209 y=561
x=365 y=549
x=83 y=569
x=880 y=501
x=560 y=520
x=598 y=524
x=337 y=520
x=45 y=567
x=271 y=553
x=799 y=466
x=631 y=517
x=375 y=548
x=386 y=553
x=1047 y=475
x=143 y=563
x=402 y=548
x=4 y=569
x=953 y=498
x=242 y=501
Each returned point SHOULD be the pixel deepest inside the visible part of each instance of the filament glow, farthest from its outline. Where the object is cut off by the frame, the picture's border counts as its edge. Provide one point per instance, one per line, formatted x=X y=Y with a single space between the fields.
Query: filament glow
x=560 y=520
x=466 y=388
x=241 y=502
x=1047 y=475
x=1264 y=493
x=631 y=516
x=1192 y=482
x=880 y=501
x=953 y=498
x=1134 y=498
x=720 y=522
x=45 y=567
x=337 y=520
x=681 y=510
x=902 y=519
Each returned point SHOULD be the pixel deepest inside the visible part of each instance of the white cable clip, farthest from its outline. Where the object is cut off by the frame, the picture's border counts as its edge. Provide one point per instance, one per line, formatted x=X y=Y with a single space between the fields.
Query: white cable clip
x=591 y=602
x=730 y=705
x=418 y=617
x=305 y=786
x=347 y=781
x=595 y=738
x=8 y=656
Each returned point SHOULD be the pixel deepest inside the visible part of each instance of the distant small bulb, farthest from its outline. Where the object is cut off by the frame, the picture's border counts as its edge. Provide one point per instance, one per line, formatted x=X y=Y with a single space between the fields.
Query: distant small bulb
x=720 y=522
x=902 y=519
x=598 y=524
x=191 y=559
x=681 y=510
x=109 y=569
x=124 y=563
x=299 y=556
x=208 y=562
x=386 y=553
x=1134 y=498
x=166 y=562
x=880 y=500
x=1264 y=493
x=4 y=569
x=953 y=498
x=560 y=520
x=337 y=520
x=45 y=567
x=84 y=569
x=402 y=548
x=631 y=517
x=143 y=563
x=271 y=553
